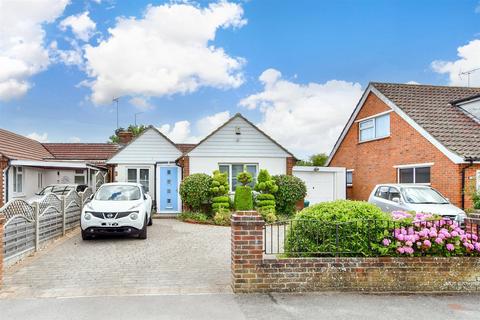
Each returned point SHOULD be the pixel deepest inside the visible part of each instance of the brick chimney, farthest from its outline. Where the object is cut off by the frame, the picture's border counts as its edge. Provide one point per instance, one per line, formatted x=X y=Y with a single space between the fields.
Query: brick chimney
x=125 y=137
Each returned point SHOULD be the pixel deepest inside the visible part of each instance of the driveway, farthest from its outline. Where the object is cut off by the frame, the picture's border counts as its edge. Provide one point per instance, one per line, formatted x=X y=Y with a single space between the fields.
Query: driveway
x=176 y=258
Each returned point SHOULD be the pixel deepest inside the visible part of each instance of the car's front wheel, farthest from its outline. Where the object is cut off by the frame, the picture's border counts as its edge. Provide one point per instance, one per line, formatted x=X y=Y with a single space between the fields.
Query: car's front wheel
x=143 y=232
x=85 y=235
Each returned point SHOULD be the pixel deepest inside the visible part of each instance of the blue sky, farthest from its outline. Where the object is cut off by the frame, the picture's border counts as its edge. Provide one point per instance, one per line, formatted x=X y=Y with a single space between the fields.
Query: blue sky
x=300 y=48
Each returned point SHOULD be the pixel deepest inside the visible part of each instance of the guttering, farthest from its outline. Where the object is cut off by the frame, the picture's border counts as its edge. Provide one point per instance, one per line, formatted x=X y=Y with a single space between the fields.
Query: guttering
x=7 y=182
x=49 y=164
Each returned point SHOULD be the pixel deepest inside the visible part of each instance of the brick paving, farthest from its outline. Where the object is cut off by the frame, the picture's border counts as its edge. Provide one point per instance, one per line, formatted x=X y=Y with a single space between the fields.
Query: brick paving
x=176 y=258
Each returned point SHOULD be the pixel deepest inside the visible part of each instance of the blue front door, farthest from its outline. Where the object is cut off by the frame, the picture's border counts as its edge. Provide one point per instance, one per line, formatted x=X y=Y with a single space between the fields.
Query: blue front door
x=168 y=189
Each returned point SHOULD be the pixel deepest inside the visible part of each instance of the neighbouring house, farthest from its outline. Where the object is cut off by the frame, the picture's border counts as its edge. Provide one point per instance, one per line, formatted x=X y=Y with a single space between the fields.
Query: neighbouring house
x=159 y=164
x=402 y=133
x=26 y=165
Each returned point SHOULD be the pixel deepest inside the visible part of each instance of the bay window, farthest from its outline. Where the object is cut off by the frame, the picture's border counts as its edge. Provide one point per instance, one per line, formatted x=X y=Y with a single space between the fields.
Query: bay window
x=233 y=169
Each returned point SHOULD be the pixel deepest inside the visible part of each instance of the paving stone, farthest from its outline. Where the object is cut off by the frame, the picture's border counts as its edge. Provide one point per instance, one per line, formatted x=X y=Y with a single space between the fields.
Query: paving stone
x=176 y=258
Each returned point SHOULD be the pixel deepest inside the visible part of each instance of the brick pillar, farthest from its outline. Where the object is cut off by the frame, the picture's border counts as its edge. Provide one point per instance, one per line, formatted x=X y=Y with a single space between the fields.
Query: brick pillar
x=3 y=166
x=290 y=163
x=2 y=223
x=472 y=224
x=185 y=167
x=247 y=250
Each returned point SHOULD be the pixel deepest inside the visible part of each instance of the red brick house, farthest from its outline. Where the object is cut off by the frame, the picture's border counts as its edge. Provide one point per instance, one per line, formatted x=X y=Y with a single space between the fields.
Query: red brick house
x=401 y=133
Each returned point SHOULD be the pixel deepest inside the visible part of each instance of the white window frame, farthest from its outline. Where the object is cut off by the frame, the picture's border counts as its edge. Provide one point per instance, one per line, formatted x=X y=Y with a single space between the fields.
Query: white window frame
x=373 y=119
x=346 y=174
x=16 y=175
x=230 y=164
x=83 y=175
x=40 y=180
x=415 y=167
x=137 y=177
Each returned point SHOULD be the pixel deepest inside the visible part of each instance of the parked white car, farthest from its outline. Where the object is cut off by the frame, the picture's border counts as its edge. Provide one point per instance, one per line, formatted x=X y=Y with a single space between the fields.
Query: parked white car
x=60 y=190
x=418 y=198
x=117 y=208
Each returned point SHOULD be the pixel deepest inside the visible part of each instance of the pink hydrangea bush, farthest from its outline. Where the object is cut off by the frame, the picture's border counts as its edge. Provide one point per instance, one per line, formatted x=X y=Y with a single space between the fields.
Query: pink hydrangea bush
x=420 y=234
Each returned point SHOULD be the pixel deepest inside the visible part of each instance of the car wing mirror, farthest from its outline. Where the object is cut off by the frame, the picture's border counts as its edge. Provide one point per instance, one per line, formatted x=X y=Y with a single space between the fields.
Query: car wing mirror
x=144 y=197
x=90 y=197
x=396 y=200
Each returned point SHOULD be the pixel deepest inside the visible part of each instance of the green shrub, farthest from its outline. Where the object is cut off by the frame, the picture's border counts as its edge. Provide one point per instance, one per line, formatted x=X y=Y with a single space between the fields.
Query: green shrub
x=338 y=226
x=222 y=217
x=268 y=214
x=266 y=203
x=193 y=216
x=244 y=178
x=290 y=190
x=243 y=198
x=265 y=196
x=219 y=190
x=195 y=190
x=265 y=183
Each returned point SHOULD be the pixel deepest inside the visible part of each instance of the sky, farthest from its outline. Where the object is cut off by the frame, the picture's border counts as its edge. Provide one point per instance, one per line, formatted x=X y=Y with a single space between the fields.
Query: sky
x=294 y=68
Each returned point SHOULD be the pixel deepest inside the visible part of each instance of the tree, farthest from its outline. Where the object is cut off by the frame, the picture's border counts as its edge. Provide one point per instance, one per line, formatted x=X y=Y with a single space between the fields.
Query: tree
x=317 y=160
x=136 y=130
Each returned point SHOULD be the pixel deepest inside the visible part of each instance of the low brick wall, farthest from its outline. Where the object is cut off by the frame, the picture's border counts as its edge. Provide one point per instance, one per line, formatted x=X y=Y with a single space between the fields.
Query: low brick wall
x=252 y=272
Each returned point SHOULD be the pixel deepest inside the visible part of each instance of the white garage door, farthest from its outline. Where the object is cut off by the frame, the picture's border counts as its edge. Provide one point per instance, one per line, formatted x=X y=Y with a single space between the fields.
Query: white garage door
x=323 y=184
x=320 y=185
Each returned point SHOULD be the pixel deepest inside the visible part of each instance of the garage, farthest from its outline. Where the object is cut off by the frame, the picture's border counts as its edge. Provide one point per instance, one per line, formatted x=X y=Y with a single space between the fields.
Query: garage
x=323 y=183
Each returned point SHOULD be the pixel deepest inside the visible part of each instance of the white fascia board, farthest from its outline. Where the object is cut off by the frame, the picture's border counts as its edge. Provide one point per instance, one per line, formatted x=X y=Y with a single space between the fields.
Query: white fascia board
x=414 y=165
x=49 y=164
x=317 y=169
x=455 y=158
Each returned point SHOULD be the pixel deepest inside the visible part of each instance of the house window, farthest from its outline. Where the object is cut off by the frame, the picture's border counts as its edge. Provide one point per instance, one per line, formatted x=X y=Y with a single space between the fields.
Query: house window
x=80 y=177
x=18 y=179
x=139 y=175
x=414 y=175
x=233 y=169
x=349 y=178
x=374 y=128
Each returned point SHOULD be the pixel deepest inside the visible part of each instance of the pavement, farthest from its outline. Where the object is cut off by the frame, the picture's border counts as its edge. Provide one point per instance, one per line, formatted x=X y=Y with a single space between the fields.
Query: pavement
x=232 y=307
x=177 y=258
x=182 y=271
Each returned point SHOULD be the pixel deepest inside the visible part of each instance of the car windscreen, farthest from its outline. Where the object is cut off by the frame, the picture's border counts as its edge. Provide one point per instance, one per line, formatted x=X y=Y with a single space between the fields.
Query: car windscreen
x=423 y=196
x=118 y=193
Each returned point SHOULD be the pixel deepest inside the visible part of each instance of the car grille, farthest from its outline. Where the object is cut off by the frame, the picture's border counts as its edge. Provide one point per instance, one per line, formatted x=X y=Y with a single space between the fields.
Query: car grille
x=111 y=215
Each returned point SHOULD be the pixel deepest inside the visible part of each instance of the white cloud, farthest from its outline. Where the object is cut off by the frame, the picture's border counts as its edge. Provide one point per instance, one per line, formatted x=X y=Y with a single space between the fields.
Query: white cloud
x=181 y=131
x=305 y=118
x=469 y=58
x=69 y=57
x=81 y=25
x=141 y=103
x=206 y=125
x=75 y=139
x=167 y=51
x=39 y=137
x=22 y=50
x=413 y=82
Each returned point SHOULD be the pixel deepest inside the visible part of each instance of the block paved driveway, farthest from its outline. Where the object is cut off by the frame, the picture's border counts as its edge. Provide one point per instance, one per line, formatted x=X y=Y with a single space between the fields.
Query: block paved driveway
x=176 y=258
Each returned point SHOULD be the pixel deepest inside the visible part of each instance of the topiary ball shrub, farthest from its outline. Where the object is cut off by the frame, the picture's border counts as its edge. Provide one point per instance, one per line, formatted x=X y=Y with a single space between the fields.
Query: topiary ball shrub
x=265 y=201
x=342 y=226
x=195 y=190
x=243 y=200
x=268 y=214
x=290 y=190
x=219 y=190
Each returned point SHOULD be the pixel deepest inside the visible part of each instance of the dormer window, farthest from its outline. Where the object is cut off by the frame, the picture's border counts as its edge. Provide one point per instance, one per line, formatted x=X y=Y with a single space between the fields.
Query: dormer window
x=470 y=106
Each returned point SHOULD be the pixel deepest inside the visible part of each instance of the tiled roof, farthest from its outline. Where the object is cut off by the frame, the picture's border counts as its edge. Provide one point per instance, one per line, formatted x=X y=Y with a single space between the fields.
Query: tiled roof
x=17 y=147
x=185 y=147
x=431 y=107
x=82 y=151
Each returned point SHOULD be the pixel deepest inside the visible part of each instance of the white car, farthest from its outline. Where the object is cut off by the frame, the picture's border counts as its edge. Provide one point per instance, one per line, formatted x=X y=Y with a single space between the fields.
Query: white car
x=117 y=208
x=414 y=197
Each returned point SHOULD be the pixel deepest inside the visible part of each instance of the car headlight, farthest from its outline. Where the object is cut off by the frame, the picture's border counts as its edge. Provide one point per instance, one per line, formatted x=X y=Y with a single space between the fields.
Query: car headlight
x=134 y=216
x=87 y=216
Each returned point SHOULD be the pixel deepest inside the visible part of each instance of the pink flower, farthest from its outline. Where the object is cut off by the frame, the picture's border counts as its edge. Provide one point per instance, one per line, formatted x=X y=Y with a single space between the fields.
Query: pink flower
x=409 y=243
x=441 y=236
x=386 y=242
x=475 y=237
x=439 y=240
x=454 y=233
x=427 y=243
x=450 y=247
x=419 y=244
x=400 y=237
x=477 y=246
x=408 y=250
x=401 y=250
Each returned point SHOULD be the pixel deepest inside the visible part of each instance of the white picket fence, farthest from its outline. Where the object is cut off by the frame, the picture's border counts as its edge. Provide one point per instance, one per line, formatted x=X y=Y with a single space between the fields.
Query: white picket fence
x=28 y=227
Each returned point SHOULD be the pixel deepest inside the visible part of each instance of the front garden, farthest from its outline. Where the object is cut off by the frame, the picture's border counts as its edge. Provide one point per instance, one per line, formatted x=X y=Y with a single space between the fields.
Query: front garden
x=209 y=200
x=356 y=228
